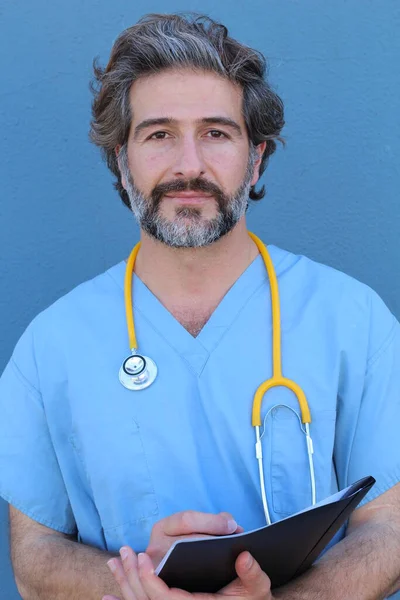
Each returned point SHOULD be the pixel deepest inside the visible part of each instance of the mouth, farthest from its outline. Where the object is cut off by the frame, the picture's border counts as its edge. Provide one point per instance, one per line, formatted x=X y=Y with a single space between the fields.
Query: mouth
x=189 y=197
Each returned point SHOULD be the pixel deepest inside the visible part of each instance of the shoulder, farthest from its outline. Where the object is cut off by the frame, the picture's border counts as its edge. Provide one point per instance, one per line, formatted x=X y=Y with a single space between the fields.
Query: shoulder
x=101 y=288
x=340 y=299
x=70 y=315
x=87 y=298
x=303 y=273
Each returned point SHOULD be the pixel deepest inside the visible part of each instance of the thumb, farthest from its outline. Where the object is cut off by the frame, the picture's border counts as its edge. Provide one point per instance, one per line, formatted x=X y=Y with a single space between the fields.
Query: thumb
x=255 y=582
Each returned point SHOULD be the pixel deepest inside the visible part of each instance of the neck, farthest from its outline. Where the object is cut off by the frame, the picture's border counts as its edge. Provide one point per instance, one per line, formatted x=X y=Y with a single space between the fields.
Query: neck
x=175 y=274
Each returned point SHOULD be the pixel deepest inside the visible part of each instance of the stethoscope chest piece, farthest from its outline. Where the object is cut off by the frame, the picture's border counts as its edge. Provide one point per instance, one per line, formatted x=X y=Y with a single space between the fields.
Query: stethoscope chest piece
x=137 y=372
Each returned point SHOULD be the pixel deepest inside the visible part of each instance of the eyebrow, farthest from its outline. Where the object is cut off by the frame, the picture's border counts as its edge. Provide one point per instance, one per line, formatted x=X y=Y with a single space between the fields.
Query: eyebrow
x=226 y=121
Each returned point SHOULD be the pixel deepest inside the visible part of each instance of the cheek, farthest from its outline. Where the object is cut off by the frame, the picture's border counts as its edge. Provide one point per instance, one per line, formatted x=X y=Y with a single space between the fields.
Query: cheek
x=227 y=166
x=147 y=170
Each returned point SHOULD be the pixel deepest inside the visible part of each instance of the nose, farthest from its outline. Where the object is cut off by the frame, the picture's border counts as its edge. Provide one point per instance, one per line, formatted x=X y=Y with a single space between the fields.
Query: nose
x=190 y=162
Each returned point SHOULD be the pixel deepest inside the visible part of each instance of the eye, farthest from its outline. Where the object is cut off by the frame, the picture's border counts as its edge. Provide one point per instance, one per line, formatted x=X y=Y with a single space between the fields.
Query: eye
x=216 y=134
x=158 y=135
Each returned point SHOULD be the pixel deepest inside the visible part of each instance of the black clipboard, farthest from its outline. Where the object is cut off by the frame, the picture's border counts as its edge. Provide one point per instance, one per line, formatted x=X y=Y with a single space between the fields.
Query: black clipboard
x=284 y=549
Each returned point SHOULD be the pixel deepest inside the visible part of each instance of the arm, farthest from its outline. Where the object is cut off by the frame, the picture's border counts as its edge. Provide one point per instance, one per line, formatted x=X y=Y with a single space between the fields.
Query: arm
x=365 y=565
x=49 y=565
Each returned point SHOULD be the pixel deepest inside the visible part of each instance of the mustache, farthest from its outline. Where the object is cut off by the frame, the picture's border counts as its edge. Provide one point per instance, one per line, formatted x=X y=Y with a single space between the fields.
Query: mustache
x=197 y=184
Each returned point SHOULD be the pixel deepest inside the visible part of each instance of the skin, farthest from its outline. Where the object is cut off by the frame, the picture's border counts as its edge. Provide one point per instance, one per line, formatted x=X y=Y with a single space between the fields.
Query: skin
x=51 y=566
x=138 y=581
x=202 y=276
x=190 y=282
x=363 y=566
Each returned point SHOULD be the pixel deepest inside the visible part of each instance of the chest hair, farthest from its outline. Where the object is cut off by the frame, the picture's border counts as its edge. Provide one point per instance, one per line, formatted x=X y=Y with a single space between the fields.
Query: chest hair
x=193 y=320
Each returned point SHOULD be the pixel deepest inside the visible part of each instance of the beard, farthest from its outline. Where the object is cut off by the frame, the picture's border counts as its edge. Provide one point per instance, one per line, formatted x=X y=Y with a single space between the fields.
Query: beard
x=188 y=229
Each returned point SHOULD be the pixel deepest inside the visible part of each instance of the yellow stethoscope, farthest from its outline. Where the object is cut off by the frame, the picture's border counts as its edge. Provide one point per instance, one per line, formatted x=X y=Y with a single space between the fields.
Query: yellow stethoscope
x=138 y=372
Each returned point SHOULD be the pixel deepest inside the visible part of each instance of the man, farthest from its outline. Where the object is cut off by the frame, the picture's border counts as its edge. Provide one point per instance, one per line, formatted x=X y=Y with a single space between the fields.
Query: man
x=186 y=122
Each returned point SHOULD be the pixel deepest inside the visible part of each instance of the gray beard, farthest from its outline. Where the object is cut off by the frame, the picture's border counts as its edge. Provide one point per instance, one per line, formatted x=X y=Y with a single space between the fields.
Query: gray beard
x=188 y=229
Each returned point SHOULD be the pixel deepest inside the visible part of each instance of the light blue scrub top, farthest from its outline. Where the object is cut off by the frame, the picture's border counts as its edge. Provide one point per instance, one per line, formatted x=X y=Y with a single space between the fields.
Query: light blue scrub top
x=79 y=452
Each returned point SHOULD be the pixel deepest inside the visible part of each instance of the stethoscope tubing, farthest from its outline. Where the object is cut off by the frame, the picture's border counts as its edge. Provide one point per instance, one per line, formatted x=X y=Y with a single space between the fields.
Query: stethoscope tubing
x=143 y=380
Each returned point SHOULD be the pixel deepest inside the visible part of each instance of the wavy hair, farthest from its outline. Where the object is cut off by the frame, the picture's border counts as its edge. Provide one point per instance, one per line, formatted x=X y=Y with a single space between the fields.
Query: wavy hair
x=168 y=41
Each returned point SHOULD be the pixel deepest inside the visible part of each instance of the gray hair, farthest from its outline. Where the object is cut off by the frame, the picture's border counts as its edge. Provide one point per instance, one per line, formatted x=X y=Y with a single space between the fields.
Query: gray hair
x=160 y=42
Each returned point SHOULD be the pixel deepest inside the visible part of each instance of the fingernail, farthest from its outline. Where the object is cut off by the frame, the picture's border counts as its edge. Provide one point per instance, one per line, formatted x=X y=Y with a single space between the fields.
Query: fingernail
x=232 y=526
x=141 y=559
x=124 y=553
x=249 y=562
x=111 y=565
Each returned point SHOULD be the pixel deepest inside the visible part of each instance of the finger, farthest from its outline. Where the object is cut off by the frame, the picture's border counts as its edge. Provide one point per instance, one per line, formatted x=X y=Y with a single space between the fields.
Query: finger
x=110 y=597
x=130 y=565
x=239 y=528
x=117 y=570
x=254 y=581
x=154 y=587
x=189 y=522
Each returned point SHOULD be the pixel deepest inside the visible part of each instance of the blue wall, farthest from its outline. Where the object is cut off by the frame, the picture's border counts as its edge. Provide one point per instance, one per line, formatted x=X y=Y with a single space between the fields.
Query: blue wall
x=333 y=193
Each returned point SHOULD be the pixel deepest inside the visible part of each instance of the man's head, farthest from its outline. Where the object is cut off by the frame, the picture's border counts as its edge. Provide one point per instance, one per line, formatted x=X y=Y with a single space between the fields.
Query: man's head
x=186 y=122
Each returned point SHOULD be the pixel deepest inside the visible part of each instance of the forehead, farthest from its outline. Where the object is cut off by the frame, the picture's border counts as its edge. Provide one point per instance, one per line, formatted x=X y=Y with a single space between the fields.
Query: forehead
x=185 y=95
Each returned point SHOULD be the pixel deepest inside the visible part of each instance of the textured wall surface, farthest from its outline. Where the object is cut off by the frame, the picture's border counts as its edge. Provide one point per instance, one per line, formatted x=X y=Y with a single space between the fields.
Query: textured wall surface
x=333 y=192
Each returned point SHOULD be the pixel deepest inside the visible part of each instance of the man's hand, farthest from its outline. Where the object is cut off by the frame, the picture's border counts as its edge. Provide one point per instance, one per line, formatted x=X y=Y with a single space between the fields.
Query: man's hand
x=138 y=581
x=187 y=524
x=165 y=532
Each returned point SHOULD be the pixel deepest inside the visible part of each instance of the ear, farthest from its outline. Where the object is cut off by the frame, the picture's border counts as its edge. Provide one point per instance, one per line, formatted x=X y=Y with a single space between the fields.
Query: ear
x=117 y=150
x=260 y=151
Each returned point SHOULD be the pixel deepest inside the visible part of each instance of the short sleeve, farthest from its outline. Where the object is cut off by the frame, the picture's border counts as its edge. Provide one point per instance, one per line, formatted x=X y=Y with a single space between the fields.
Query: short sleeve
x=30 y=476
x=375 y=448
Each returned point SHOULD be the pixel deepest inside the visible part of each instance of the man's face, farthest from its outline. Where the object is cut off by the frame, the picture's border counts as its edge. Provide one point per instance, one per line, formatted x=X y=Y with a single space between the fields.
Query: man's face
x=187 y=165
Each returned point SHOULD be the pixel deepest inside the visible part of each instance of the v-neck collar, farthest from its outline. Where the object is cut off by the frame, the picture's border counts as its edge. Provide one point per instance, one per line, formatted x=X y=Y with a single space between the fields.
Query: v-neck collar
x=196 y=350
